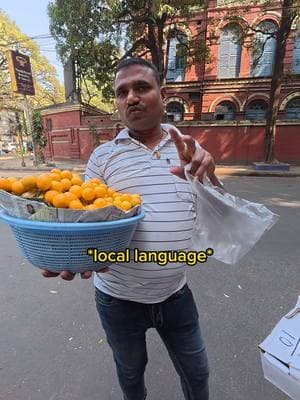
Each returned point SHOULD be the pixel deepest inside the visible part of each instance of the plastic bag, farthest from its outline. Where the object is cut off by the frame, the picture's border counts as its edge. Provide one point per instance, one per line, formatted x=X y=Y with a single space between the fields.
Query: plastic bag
x=225 y=223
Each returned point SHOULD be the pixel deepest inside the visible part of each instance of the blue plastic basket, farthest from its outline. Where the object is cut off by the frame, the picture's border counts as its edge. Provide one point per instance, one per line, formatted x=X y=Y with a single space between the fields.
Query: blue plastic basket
x=58 y=246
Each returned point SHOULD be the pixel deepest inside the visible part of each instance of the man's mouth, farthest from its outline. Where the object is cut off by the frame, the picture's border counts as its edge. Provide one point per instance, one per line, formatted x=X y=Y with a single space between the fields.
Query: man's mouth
x=134 y=110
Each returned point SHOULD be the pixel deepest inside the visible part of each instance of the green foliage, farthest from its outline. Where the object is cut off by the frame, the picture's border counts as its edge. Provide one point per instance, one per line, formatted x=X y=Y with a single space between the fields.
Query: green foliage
x=97 y=34
x=38 y=130
x=48 y=88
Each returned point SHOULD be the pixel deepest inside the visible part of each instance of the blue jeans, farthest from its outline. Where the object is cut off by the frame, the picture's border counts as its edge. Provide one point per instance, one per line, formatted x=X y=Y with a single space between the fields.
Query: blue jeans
x=176 y=320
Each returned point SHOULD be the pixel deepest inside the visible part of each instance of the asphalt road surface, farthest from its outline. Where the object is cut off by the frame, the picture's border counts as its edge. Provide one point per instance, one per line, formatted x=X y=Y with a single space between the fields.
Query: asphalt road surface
x=52 y=346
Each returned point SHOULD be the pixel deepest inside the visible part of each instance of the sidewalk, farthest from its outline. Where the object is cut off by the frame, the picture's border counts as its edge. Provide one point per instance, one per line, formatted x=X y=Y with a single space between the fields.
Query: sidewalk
x=12 y=163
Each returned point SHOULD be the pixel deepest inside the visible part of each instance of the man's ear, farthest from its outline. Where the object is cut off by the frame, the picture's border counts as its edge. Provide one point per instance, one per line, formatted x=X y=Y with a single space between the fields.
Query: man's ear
x=163 y=93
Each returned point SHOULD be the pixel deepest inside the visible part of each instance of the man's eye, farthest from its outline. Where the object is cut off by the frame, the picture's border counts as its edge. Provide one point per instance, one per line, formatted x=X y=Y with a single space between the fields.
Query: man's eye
x=142 y=88
x=121 y=93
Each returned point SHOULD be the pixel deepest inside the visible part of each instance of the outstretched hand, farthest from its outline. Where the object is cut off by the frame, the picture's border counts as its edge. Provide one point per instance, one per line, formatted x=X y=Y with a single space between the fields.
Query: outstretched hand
x=201 y=160
x=69 y=276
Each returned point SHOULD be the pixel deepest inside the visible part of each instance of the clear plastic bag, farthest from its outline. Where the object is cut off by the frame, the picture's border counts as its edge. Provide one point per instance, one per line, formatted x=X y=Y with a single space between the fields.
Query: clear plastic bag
x=225 y=223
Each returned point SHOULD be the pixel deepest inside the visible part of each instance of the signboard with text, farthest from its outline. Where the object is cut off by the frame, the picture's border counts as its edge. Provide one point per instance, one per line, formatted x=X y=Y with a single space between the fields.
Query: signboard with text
x=20 y=73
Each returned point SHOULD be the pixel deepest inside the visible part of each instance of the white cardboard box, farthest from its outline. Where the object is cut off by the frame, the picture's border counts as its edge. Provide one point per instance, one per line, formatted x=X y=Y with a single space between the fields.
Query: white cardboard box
x=280 y=354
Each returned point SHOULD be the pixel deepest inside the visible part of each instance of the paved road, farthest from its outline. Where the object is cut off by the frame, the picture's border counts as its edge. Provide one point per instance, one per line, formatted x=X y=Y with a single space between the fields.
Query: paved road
x=53 y=348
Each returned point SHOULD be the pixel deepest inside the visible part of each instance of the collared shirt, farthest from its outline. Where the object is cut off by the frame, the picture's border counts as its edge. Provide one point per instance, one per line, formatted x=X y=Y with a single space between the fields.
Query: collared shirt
x=128 y=166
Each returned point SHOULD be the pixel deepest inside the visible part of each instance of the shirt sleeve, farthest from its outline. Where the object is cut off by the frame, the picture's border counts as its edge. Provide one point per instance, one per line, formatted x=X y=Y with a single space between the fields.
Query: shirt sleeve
x=96 y=162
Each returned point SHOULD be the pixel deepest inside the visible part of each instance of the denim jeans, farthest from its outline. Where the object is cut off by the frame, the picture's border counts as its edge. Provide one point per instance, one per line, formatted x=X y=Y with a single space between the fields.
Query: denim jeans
x=176 y=320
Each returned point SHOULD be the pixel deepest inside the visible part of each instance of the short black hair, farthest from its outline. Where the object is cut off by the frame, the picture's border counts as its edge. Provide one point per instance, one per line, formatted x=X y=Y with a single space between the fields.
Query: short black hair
x=127 y=62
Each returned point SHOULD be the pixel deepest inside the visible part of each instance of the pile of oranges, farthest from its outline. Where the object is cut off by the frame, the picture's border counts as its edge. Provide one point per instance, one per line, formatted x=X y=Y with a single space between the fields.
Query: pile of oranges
x=64 y=189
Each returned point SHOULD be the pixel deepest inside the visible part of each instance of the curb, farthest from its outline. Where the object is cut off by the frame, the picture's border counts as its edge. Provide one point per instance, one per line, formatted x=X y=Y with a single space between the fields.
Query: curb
x=286 y=174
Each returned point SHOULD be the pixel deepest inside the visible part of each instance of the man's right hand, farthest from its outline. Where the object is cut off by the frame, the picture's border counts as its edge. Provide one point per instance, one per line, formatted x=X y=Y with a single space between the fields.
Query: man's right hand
x=69 y=276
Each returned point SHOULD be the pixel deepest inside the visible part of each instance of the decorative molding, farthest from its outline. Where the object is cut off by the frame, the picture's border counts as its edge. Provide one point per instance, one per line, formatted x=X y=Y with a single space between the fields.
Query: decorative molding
x=288 y=98
x=178 y=99
x=255 y=96
x=220 y=99
x=267 y=15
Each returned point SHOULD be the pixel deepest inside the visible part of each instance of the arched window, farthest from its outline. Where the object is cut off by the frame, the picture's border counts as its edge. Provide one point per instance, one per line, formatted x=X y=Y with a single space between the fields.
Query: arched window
x=264 y=49
x=177 y=58
x=292 y=110
x=225 y=111
x=296 y=56
x=175 y=111
x=256 y=110
x=230 y=53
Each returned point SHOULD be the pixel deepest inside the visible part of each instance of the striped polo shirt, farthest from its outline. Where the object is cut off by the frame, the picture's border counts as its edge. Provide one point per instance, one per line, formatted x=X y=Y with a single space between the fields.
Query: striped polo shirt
x=168 y=202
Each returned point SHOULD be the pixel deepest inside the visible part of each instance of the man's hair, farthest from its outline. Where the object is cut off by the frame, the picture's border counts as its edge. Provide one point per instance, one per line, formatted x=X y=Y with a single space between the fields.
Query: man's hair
x=127 y=62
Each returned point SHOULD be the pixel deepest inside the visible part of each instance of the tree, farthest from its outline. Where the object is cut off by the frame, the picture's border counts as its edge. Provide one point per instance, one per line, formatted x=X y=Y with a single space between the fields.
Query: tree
x=38 y=137
x=48 y=88
x=97 y=34
x=290 y=11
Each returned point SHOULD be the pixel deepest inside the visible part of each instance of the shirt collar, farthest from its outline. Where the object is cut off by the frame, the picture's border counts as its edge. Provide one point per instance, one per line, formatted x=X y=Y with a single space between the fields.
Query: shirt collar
x=123 y=135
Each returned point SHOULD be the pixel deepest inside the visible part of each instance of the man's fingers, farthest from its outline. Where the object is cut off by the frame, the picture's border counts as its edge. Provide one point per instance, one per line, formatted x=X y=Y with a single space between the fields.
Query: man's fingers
x=215 y=181
x=67 y=275
x=190 y=145
x=49 y=274
x=196 y=161
x=86 y=274
x=178 y=171
x=179 y=143
x=103 y=270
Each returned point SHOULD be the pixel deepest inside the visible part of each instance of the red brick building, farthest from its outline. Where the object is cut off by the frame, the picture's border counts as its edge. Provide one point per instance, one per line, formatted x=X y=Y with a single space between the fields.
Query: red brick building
x=222 y=103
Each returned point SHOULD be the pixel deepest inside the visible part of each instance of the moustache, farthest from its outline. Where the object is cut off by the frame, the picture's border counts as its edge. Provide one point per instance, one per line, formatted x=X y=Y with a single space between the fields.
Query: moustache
x=135 y=108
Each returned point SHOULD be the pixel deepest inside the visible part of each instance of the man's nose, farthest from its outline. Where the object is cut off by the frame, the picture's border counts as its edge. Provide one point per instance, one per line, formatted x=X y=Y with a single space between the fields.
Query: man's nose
x=132 y=97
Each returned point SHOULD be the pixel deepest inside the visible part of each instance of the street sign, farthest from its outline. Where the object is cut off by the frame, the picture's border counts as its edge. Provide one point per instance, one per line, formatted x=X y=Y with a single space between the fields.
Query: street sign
x=20 y=73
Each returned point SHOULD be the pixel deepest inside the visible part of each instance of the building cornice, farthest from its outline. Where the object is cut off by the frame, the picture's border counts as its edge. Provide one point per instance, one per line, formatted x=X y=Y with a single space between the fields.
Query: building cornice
x=67 y=107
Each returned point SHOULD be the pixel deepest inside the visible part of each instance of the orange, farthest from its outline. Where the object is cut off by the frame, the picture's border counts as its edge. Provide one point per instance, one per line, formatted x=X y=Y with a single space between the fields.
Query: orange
x=55 y=185
x=100 y=191
x=126 y=197
x=55 y=176
x=66 y=174
x=110 y=192
x=60 y=201
x=11 y=179
x=125 y=205
x=100 y=203
x=87 y=185
x=76 y=180
x=5 y=184
x=135 y=200
x=96 y=180
x=43 y=182
x=66 y=184
x=117 y=198
x=70 y=196
x=76 y=205
x=117 y=203
x=29 y=182
x=48 y=196
x=91 y=207
x=77 y=190
x=56 y=171
x=88 y=194
x=18 y=188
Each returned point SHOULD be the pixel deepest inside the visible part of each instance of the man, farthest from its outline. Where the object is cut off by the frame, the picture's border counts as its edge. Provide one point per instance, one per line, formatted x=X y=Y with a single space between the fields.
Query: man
x=148 y=158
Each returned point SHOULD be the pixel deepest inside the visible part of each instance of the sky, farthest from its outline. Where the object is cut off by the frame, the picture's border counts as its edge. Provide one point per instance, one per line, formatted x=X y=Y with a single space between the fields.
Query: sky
x=32 y=18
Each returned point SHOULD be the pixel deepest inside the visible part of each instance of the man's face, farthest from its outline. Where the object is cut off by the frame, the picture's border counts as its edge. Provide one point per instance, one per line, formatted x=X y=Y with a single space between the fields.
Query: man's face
x=139 y=98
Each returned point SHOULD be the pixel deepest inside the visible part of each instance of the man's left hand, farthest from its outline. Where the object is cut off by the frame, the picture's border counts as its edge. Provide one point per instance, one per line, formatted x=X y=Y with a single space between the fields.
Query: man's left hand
x=201 y=160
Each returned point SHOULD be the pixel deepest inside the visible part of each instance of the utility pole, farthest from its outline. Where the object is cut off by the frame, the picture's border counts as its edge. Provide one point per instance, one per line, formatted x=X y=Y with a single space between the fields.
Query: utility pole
x=20 y=139
x=29 y=122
